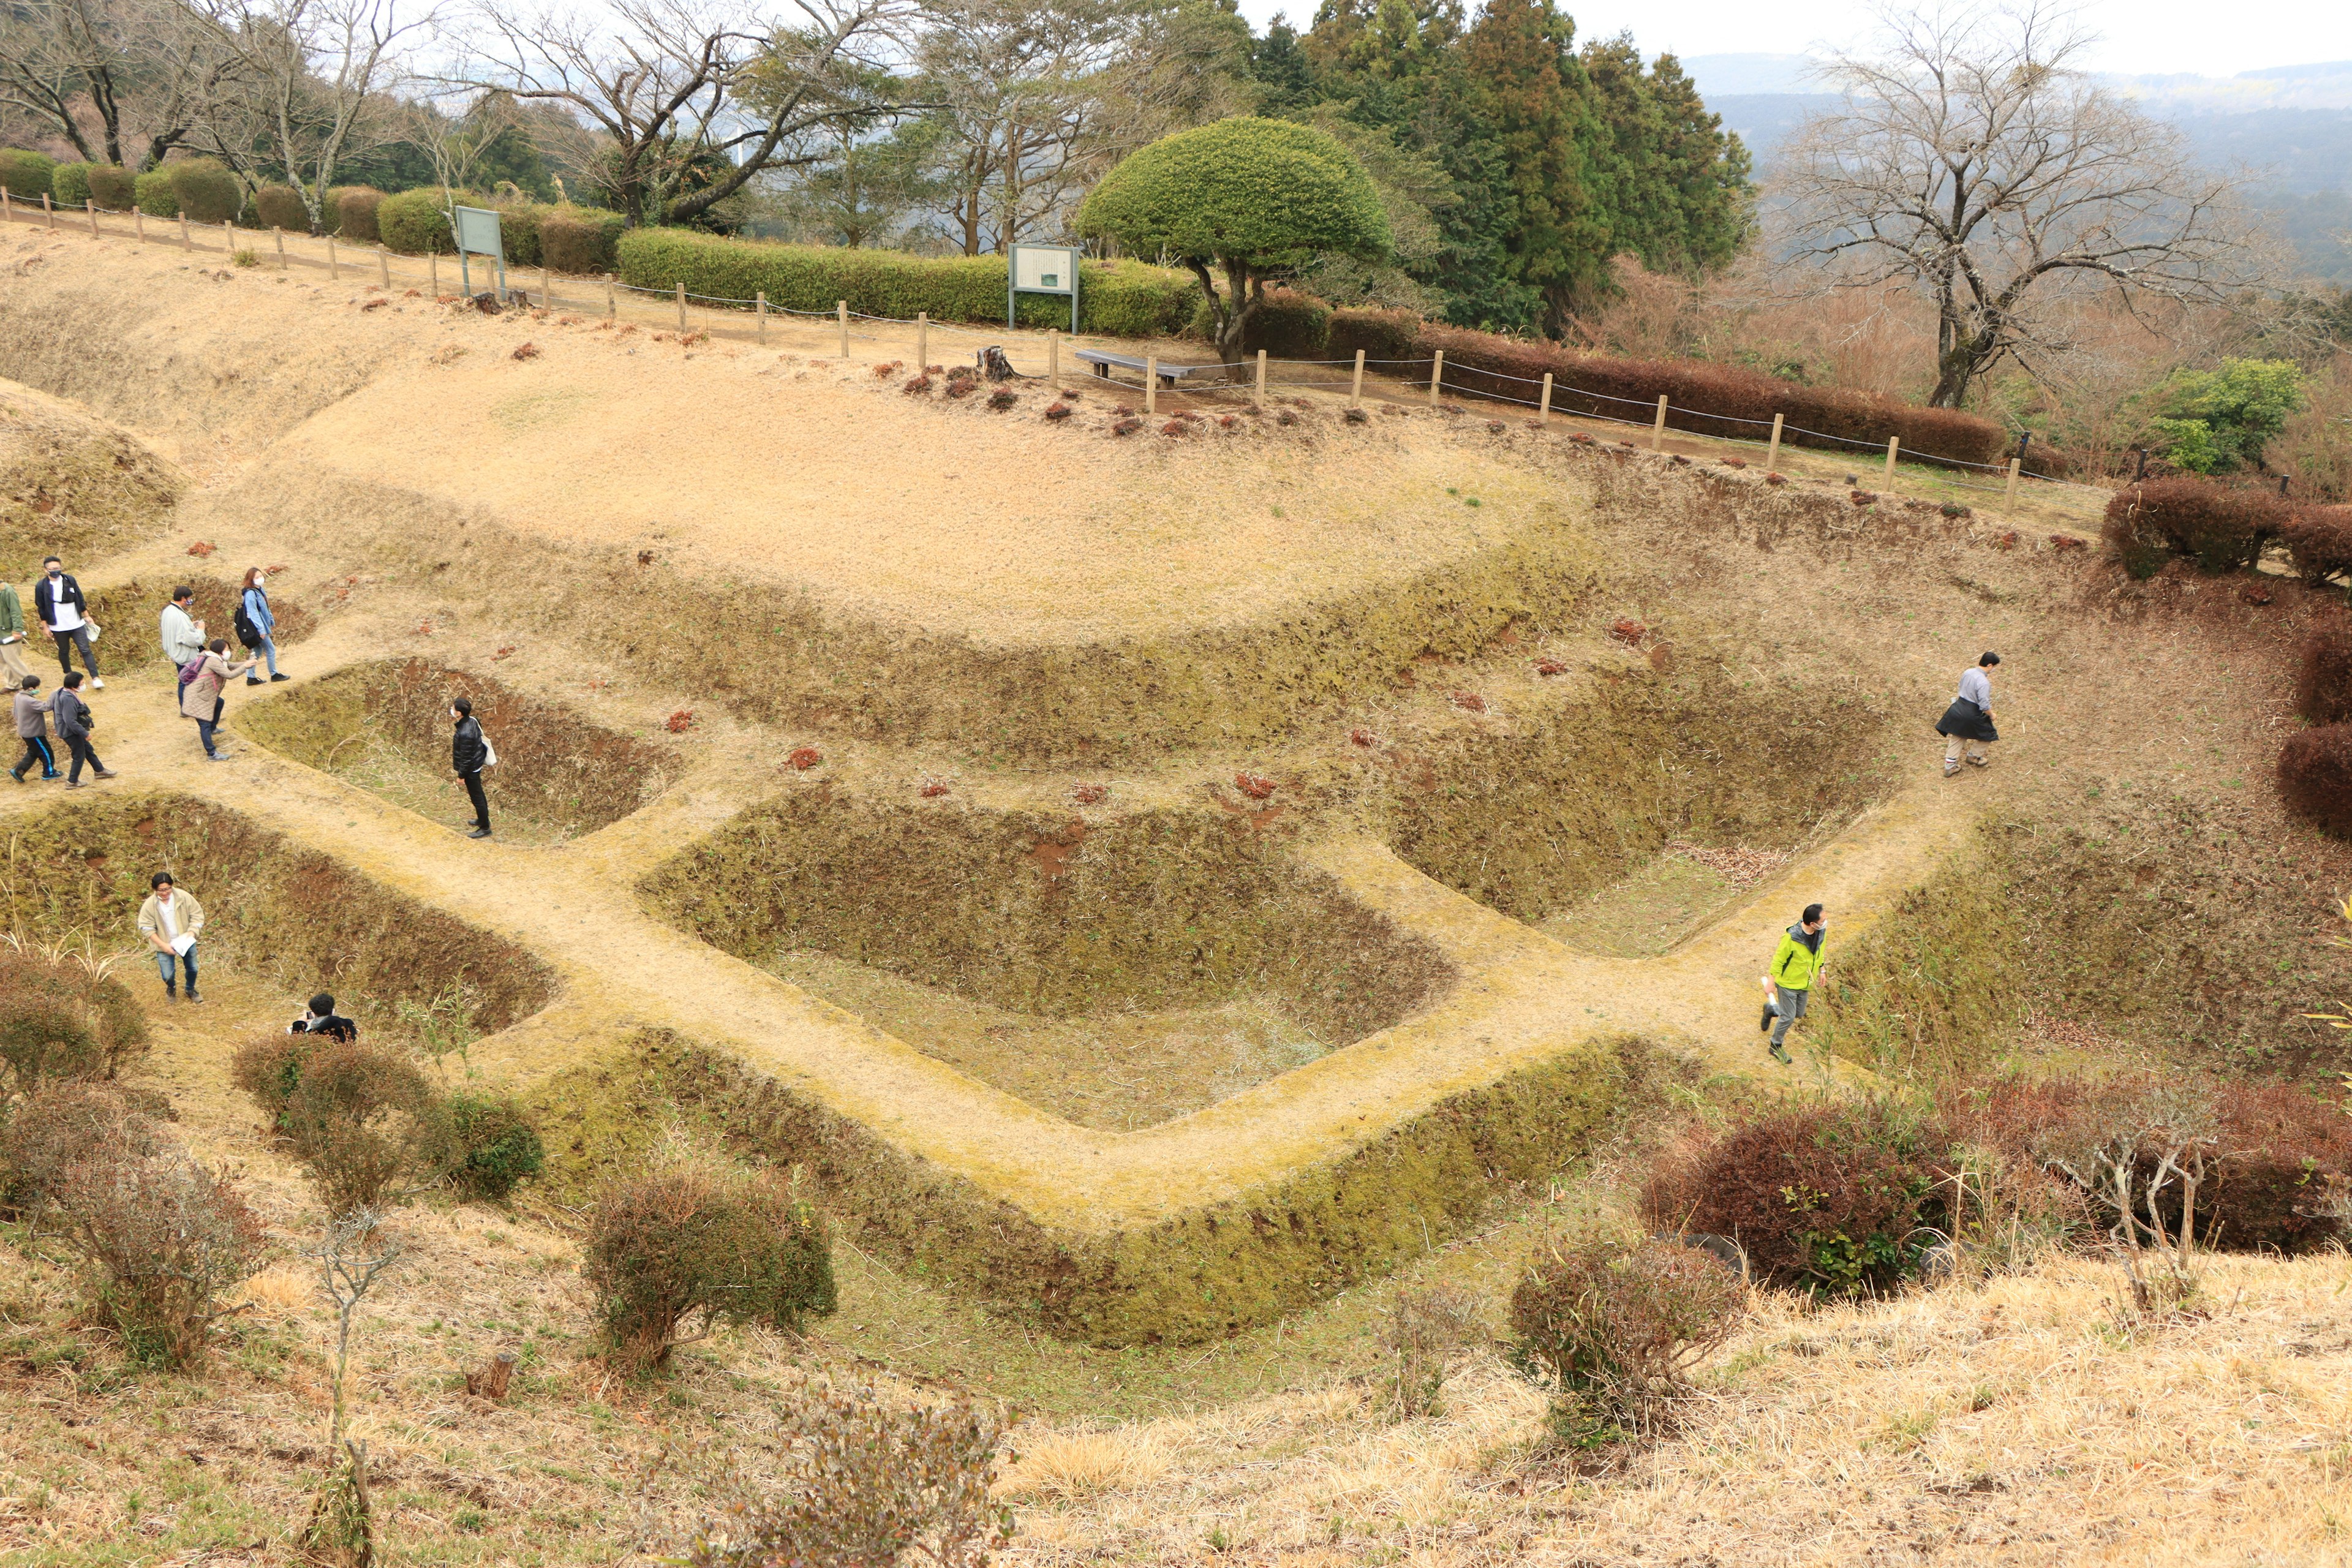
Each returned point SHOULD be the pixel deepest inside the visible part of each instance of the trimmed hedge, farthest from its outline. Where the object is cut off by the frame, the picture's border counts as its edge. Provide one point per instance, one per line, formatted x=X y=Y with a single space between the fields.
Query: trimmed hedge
x=355 y=207
x=1119 y=299
x=109 y=185
x=414 y=224
x=280 y=206
x=581 y=240
x=2219 y=526
x=1287 y=324
x=1381 y=334
x=2314 y=774
x=27 y=175
x=2322 y=681
x=151 y=193
x=69 y=184
x=206 y=191
x=2319 y=541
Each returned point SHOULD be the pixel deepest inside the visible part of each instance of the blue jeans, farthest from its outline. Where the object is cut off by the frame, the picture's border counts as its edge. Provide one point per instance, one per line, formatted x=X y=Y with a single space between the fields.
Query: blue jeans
x=269 y=652
x=204 y=728
x=164 y=961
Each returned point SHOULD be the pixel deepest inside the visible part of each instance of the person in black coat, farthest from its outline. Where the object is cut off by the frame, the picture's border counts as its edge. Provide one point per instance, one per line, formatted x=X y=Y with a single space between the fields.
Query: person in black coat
x=64 y=615
x=322 y=1019
x=470 y=754
x=75 y=721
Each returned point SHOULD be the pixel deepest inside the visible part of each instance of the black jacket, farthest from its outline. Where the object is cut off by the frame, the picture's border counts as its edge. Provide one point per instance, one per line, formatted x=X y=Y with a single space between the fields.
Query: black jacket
x=72 y=715
x=334 y=1025
x=466 y=752
x=46 y=593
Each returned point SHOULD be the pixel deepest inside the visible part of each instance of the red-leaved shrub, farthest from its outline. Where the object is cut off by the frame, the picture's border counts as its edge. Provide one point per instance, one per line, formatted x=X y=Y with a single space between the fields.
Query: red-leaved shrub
x=2314 y=773
x=2319 y=541
x=2323 y=678
x=1622 y=1325
x=1381 y=334
x=2219 y=526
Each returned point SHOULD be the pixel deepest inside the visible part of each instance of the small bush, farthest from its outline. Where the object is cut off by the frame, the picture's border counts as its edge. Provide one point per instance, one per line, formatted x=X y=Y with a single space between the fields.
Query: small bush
x=268 y=1068
x=2319 y=541
x=70 y=183
x=205 y=190
x=485 y=1143
x=108 y=186
x=62 y=1125
x=865 y=1483
x=27 y=175
x=153 y=195
x=360 y=1118
x=355 y=209
x=1622 y=1325
x=1424 y=1328
x=1830 y=1199
x=695 y=1241
x=413 y=223
x=2284 y=1153
x=280 y=206
x=581 y=240
x=247 y=257
x=1287 y=324
x=2314 y=774
x=1381 y=334
x=61 y=1018
x=2323 y=676
x=2220 y=527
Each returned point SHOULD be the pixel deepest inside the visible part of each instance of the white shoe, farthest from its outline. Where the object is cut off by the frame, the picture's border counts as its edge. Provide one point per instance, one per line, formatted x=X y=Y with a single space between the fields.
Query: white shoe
x=94 y=680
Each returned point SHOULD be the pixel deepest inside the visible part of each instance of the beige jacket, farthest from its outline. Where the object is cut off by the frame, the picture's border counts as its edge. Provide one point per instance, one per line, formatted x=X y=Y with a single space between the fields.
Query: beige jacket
x=186 y=911
x=199 y=697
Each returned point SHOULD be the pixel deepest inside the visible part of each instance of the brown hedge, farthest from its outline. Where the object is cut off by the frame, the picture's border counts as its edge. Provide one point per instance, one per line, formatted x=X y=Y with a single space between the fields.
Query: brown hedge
x=2314 y=773
x=355 y=214
x=280 y=206
x=2319 y=541
x=2219 y=526
x=2322 y=678
x=1703 y=398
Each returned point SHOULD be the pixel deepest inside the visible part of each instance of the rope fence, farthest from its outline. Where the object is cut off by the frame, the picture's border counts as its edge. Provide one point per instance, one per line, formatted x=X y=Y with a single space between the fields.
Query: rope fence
x=1024 y=354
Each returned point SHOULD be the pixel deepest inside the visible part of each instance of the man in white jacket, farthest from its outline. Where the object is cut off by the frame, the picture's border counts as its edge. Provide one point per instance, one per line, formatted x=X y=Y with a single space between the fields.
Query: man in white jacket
x=183 y=635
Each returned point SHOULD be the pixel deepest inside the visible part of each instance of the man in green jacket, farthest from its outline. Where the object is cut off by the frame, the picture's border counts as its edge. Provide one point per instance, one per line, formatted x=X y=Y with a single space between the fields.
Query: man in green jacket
x=1794 y=969
x=12 y=636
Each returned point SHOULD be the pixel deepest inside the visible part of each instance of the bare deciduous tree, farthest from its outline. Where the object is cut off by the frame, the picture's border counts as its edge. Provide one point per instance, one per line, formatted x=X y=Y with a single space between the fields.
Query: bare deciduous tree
x=124 y=81
x=681 y=104
x=1972 y=159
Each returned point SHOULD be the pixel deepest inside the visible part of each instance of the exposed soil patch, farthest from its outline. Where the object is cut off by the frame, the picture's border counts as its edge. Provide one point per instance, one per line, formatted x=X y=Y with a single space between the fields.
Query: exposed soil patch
x=385 y=727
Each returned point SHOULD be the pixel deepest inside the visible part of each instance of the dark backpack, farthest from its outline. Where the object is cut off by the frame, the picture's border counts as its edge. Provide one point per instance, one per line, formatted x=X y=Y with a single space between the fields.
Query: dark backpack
x=246 y=632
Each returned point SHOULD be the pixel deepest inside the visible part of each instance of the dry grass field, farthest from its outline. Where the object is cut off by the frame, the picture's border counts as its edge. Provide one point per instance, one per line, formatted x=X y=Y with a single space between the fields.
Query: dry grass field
x=1143 y=850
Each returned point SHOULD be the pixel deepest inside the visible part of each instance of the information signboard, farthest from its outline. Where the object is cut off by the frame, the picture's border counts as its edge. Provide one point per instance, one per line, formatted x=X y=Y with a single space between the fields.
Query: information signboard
x=1041 y=269
x=478 y=234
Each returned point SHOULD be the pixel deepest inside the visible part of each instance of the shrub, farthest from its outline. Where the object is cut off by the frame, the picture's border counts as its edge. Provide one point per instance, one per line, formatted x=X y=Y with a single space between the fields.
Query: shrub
x=206 y=191
x=1622 y=1325
x=1381 y=334
x=2323 y=676
x=1119 y=299
x=2314 y=773
x=696 y=1241
x=414 y=223
x=867 y=1483
x=485 y=1143
x=1287 y=324
x=1830 y=1199
x=2319 y=541
x=1424 y=1328
x=153 y=195
x=27 y=175
x=62 y=1018
x=2219 y=526
x=268 y=1067
x=280 y=206
x=62 y=1125
x=360 y=1118
x=518 y=230
x=355 y=207
x=2284 y=1155
x=108 y=186
x=581 y=240
x=69 y=184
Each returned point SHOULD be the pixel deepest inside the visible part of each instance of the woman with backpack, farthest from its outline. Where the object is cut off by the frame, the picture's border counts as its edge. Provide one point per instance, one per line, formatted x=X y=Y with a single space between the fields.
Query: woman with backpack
x=257 y=628
x=203 y=684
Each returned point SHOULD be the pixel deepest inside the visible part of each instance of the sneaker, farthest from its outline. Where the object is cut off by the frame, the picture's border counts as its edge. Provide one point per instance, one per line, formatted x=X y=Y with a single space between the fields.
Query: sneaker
x=107 y=773
x=281 y=677
x=171 y=990
x=1979 y=762
x=479 y=832
x=17 y=776
x=51 y=777
x=192 y=995
x=253 y=680
x=74 y=784
x=1951 y=770
x=1783 y=1058
x=94 y=680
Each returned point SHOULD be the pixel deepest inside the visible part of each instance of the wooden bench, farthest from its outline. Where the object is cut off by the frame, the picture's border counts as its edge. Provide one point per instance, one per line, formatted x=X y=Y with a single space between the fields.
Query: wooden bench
x=1104 y=362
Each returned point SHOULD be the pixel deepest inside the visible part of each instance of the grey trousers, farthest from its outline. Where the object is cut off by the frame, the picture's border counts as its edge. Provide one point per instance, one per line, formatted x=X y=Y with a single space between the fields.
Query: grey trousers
x=1791 y=1007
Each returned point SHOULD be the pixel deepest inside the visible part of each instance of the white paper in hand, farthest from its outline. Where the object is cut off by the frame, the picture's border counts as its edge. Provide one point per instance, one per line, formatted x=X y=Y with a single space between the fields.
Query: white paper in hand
x=181 y=943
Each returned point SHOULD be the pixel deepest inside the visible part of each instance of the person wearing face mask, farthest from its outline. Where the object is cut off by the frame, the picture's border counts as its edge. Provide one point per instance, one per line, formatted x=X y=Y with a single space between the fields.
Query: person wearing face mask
x=1795 y=967
x=469 y=753
x=12 y=636
x=256 y=628
x=204 y=694
x=64 y=615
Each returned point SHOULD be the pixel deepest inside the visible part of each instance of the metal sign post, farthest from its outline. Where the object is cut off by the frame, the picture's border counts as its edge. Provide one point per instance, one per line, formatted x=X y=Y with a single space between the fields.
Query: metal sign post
x=1041 y=270
x=478 y=234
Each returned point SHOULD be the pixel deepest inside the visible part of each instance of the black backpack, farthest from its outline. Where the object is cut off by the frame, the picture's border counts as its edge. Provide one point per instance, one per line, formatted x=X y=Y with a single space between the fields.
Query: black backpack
x=246 y=632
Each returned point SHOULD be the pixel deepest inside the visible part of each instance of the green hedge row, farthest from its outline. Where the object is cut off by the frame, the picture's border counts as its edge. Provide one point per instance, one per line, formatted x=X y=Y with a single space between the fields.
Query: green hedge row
x=27 y=175
x=1119 y=298
x=567 y=238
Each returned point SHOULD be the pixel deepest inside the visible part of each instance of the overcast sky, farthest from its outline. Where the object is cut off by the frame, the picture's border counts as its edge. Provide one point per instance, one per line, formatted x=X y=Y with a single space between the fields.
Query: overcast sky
x=2139 y=36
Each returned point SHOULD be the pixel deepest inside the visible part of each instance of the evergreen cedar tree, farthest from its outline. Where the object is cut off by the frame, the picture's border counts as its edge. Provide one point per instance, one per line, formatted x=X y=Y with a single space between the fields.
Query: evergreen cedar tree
x=1253 y=197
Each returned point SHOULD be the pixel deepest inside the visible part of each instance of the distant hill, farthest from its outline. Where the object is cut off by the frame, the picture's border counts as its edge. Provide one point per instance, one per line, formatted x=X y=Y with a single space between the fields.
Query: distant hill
x=2289 y=126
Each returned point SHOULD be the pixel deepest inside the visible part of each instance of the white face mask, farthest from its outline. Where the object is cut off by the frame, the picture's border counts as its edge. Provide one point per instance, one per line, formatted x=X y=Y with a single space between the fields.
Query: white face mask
x=261 y=582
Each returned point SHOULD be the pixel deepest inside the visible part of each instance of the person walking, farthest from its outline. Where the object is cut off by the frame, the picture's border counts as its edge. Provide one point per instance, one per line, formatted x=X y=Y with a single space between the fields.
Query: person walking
x=12 y=637
x=74 y=721
x=170 y=921
x=182 y=634
x=205 y=693
x=33 y=729
x=321 y=1018
x=1795 y=967
x=469 y=753
x=257 y=628
x=64 y=615
x=1966 y=725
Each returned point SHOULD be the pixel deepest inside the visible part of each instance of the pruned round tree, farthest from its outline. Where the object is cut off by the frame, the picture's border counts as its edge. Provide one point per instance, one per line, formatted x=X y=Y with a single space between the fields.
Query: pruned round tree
x=1253 y=198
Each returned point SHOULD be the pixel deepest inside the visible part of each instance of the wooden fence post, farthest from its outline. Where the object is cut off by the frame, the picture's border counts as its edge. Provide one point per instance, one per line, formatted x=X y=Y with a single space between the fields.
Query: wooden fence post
x=1151 y=383
x=186 y=242
x=383 y=268
x=334 y=267
x=1543 y=409
x=681 y=306
x=90 y=205
x=139 y=224
x=1658 y=428
x=1772 y=452
x=2009 y=496
x=1053 y=354
x=433 y=272
x=1894 y=445
x=48 y=213
x=546 y=287
x=922 y=343
x=841 y=311
x=612 y=305
x=280 y=235
x=1257 y=400
x=1437 y=376
x=1355 y=386
x=762 y=298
